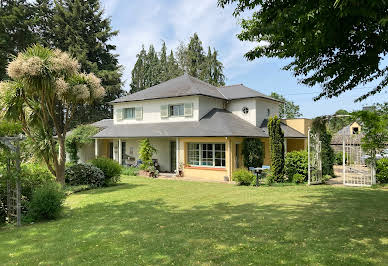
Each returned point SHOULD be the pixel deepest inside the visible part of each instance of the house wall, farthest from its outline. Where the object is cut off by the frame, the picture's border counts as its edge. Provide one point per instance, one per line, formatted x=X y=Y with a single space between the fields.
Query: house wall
x=236 y=107
x=354 y=125
x=151 y=110
x=262 y=107
x=296 y=144
x=206 y=104
x=300 y=124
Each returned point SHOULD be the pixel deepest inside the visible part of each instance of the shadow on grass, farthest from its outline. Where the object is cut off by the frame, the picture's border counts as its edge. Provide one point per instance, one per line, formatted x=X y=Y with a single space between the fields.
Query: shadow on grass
x=338 y=226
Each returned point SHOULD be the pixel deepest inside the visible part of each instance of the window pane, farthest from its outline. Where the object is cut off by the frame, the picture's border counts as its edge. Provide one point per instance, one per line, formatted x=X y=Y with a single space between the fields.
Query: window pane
x=193 y=154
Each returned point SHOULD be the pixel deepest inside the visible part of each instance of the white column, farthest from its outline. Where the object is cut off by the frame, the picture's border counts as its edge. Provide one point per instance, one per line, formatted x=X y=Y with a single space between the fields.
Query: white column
x=343 y=159
x=308 y=157
x=96 y=148
x=120 y=152
x=177 y=155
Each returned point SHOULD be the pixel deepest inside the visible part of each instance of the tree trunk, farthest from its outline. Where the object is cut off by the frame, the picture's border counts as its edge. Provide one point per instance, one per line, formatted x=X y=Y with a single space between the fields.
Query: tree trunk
x=60 y=171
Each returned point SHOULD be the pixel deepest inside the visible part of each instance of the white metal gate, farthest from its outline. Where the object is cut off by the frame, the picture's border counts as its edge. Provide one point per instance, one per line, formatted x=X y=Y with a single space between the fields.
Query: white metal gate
x=314 y=159
x=355 y=169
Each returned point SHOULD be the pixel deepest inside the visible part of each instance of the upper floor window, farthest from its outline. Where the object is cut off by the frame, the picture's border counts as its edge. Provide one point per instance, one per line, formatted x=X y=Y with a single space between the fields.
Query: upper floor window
x=177 y=110
x=129 y=113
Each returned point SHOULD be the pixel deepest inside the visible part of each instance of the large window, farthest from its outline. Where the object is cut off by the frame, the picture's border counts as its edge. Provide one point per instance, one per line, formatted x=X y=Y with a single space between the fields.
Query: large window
x=129 y=113
x=177 y=110
x=206 y=154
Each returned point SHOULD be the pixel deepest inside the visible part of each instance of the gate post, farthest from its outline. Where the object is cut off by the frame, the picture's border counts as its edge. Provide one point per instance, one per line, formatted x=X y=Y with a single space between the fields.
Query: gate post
x=343 y=159
x=308 y=157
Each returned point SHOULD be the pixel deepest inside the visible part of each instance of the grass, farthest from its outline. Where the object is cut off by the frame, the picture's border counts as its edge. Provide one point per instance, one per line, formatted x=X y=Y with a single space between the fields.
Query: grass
x=150 y=221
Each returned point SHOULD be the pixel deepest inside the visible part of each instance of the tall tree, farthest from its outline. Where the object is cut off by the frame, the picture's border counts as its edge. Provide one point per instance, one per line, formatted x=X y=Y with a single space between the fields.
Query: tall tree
x=80 y=28
x=138 y=82
x=44 y=93
x=288 y=109
x=16 y=25
x=338 y=44
x=151 y=69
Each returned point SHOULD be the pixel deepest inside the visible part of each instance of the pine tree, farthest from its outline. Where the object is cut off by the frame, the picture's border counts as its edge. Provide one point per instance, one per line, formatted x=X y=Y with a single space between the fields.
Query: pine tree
x=195 y=56
x=138 y=82
x=80 y=28
x=163 y=66
x=172 y=66
x=16 y=24
x=151 y=67
x=276 y=142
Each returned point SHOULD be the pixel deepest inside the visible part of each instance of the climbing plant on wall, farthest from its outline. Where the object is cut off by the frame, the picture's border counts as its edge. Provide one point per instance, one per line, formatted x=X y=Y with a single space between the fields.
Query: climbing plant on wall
x=253 y=152
x=81 y=135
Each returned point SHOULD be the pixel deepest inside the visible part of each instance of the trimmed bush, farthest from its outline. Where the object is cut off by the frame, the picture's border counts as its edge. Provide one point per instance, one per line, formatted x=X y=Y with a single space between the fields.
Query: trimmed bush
x=46 y=202
x=243 y=177
x=253 y=152
x=131 y=171
x=296 y=162
x=276 y=143
x=110 y=168
x=382 y=171
x=84 y=174
x=298 y=178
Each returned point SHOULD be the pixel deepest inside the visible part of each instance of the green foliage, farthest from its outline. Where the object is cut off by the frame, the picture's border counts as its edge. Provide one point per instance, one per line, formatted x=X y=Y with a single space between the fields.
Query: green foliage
x=328 y=42
x=382 y=171
x=32 y=177
x=327 y=153
x=151 y=69
x=374 y=128
x=252 y=152
x=298 y=178
x=46 y=202
x=288 y=109
x=84 y=174
x=296 y=163
x=276 y=143
x=110 y=168
x=81 y=135
x=131 y=171
x=243 y=177
x=146 y=151
x=337 y=123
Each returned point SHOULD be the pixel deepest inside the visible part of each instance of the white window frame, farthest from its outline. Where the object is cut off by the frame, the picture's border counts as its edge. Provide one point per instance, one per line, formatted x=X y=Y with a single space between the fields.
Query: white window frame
x=125 y=113
x=214 y=154
x=172 y=106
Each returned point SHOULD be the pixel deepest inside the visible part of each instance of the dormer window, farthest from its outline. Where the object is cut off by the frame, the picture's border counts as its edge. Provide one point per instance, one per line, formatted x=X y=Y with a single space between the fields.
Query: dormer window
x=129 y=113
x=177 y=110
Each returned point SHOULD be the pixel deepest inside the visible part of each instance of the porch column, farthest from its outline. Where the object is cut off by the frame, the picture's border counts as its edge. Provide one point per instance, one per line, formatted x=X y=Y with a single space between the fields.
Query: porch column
x=177 y=155
x=96 y=148
x=229 y=158
x=120 y=151
x=285 y=146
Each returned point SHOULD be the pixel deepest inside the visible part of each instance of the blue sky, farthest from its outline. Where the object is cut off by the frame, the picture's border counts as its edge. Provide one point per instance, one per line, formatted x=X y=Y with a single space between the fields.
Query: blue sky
x=152 y=21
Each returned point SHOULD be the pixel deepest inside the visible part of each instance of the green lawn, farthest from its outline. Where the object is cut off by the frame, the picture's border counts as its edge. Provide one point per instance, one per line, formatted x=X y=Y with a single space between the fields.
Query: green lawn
x=151 y=221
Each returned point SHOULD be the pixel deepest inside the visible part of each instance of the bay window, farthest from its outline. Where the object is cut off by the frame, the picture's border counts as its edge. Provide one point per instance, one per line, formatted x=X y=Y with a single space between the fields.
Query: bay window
x=206 y=154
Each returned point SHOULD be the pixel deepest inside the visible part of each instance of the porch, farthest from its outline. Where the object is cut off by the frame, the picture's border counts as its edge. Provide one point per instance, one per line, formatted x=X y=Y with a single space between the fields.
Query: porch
x=207 y=158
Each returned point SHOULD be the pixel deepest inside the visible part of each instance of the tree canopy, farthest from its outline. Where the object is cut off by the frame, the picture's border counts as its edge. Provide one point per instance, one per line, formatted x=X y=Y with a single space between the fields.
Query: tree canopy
x=288 y=109
x=337 y=44
x=76 y=26
x=43 y=95
x=152 y=68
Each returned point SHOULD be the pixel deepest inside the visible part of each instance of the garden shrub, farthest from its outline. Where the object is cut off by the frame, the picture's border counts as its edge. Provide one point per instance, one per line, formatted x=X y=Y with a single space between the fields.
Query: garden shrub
x=276 y=143
x=243 y=177
x=46 y=202
x=296 y=162
x=33 y=176
x=338 y=158
x=298 y=178
x=252 y=152
x=110 y=168
x=146 y=151
x=131 y=171
x=84 y=174
x=382 y=171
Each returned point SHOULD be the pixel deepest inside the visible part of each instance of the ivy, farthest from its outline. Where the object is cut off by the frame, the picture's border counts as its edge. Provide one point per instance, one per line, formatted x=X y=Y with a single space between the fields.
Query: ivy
x=276 y=143
x=253 y=152
x=81 y=135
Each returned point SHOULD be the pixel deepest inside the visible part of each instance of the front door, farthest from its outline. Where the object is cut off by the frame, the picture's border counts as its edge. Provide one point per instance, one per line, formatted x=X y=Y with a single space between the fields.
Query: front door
x=173 y=155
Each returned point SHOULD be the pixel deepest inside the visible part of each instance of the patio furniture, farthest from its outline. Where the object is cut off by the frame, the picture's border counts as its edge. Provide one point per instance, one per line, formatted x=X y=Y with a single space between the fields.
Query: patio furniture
x=258 y=171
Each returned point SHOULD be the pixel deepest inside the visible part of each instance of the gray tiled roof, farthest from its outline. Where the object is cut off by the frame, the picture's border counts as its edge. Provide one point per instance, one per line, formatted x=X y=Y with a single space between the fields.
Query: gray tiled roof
x=239 y=91
x=187 y=85
x=184 y=85
x=217 y=123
